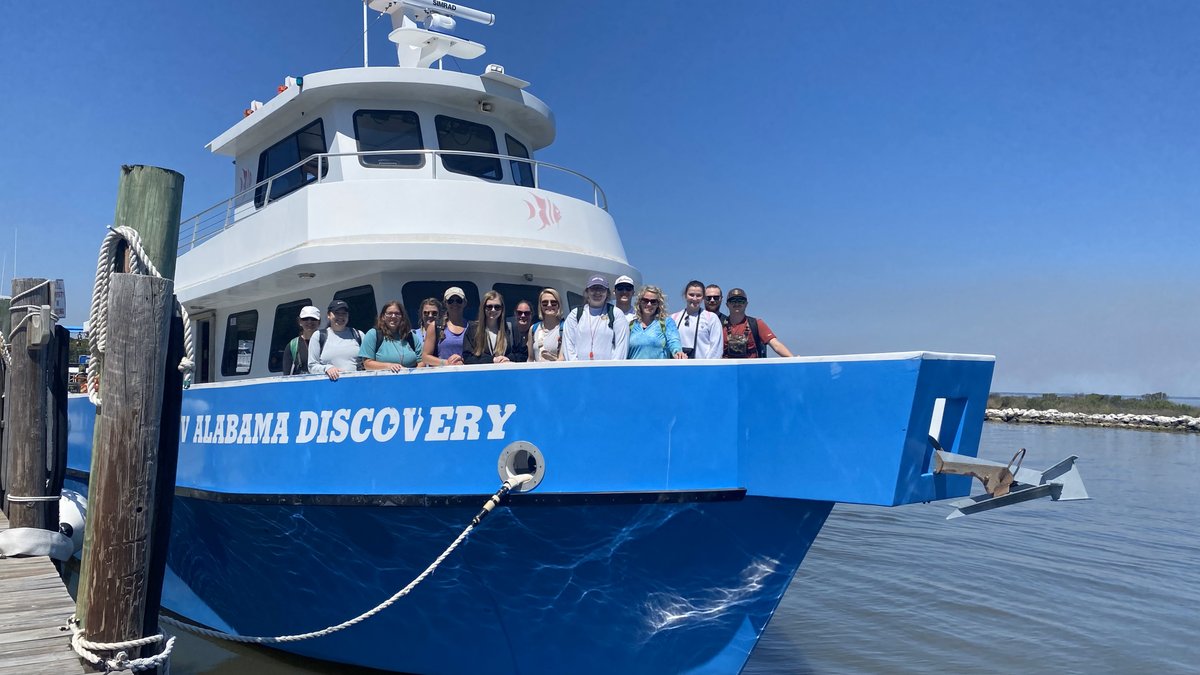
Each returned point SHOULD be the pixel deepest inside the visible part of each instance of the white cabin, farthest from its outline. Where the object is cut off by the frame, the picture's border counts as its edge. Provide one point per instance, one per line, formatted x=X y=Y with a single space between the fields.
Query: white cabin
x=379 y=183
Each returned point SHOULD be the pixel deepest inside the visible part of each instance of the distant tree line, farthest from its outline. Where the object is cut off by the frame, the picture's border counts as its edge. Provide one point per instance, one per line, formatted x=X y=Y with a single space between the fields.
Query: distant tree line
x=1157 y=403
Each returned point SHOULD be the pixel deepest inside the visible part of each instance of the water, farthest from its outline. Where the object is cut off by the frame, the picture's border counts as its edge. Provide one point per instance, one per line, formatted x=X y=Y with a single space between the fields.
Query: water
x=1109 y=585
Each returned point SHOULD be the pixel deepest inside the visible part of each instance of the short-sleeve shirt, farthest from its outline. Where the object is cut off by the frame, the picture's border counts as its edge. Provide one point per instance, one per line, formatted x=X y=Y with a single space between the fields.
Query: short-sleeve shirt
x=389 y=351
x=739 y=335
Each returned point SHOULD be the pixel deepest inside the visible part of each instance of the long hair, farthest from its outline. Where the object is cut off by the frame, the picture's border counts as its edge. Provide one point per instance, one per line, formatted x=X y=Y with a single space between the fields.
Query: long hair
x=481 y=326
x=441 y=320
x=557 y=298
x=402 y=331
x=662 y=301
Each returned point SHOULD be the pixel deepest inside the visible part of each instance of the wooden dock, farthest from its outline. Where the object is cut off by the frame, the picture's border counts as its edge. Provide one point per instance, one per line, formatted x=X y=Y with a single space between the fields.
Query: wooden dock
x=34 y=607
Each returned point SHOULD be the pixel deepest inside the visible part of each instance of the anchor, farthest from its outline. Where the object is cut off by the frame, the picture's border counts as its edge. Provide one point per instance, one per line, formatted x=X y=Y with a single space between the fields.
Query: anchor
x=1003 y=485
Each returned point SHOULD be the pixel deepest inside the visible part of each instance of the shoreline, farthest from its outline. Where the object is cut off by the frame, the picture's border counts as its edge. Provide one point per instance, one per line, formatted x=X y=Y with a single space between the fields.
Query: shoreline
x=1113 y=420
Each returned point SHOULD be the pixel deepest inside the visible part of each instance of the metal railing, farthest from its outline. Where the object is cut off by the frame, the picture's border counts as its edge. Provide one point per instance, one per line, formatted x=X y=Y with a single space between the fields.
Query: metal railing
x=210 y=222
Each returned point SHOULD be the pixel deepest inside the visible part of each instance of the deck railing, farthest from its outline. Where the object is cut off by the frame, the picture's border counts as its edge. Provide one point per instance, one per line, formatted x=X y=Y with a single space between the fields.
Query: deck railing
x=210 y=222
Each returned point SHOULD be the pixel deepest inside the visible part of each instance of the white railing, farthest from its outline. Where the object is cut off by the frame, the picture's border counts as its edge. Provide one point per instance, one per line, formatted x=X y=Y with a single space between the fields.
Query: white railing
x=210 y=222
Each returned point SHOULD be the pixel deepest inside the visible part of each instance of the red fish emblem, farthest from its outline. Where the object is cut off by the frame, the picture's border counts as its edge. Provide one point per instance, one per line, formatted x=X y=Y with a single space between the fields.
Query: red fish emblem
x=544 y=210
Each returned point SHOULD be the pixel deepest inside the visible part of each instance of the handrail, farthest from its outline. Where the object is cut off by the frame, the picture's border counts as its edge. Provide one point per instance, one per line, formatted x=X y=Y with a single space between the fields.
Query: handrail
x=210 y=222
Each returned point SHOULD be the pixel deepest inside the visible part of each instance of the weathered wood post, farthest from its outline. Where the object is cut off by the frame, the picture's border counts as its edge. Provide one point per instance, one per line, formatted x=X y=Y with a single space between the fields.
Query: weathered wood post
x=25 y=414
x=5 y=324
x=132 y=478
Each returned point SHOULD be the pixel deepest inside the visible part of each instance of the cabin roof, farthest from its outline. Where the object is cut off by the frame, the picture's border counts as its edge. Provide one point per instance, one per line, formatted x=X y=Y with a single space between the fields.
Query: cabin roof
x=522 y=111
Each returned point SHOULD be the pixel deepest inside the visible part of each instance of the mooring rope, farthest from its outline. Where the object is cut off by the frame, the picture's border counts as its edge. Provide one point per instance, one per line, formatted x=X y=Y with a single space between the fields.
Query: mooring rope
x=490 y=504
x=29 y=310
x=98 y=316
x=120 y=661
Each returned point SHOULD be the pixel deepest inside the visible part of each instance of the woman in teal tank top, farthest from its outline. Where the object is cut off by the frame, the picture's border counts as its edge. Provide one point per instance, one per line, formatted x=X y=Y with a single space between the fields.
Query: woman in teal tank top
x=389 y=345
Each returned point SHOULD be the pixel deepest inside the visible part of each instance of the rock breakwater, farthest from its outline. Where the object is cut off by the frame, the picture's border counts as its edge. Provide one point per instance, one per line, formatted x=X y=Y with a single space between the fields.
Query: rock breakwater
x=1121 y=420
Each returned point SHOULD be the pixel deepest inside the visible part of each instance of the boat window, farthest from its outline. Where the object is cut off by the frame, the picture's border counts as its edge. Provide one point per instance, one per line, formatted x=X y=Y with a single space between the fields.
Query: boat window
x=522 y=172
x=461 y=135
x=239 y=343
x=514 y=293
x=304 y=143
x=286 y=327
x=388 y=130
x=575 y=300
x=414 y=292
x=363 y=309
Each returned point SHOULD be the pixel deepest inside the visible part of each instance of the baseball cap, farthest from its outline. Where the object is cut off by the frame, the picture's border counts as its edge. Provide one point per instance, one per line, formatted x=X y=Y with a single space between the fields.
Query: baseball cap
x=310 y=312
x=623 y=280
x=338 y=306
x=453 y=291
x=736 y=293
x=597 y=280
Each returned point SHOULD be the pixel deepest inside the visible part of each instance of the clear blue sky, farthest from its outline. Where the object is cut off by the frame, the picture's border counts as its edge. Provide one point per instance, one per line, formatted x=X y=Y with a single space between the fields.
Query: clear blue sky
x=1012 y=178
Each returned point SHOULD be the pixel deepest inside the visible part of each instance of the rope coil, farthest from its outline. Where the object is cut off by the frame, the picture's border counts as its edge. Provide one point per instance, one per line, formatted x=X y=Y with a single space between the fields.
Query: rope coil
x=140 y=263
x=120 y=661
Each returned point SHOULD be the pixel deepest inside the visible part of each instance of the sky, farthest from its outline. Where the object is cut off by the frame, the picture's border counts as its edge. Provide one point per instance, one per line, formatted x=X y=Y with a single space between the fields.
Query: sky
x=1016 y=178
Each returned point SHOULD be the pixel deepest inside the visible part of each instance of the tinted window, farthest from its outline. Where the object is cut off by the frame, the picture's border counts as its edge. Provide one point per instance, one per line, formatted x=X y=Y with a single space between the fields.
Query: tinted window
x=456 y=134
x=416 y=291
x=304 y=143
x=522 y=172
x=388 y=130
x=363 y=309
x=514 y=293
x=285 y=328
x=239 y=343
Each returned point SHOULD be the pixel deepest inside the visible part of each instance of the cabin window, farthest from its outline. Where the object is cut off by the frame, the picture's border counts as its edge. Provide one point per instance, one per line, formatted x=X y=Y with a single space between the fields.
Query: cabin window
x=377 y=130
x=286 y=327
x=575 y=300
x=514 y=293
x=287 y=153
x=522 y=172
x=363 y=309
x=239 y=343
x=461 y=135
x=416 y=292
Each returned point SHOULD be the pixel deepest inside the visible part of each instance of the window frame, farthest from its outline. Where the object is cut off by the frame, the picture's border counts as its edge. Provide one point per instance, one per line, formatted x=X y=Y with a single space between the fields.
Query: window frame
x=351 y=296
x=514 y=164
x=362 y=159
x=261 y=198
x=283 y=330
x=449 y=161
x=412 y=302
x=232 y=339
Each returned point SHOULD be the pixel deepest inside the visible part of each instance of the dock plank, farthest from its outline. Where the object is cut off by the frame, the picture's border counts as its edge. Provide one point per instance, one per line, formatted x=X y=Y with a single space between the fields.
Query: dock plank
x=34 y=606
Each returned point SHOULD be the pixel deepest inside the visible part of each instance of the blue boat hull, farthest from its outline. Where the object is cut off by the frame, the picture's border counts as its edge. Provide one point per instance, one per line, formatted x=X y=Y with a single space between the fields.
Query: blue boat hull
x=661 y=540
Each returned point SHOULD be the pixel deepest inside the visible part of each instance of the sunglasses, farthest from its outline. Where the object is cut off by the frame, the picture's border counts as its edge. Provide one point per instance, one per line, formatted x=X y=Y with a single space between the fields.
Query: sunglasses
x=432 y=314
x=493 y=308
x=454 y=300
x=520 y=313
x=625 y=288
x=392 y=314
x=712 y=298
x=650 y=301
x=736 y=301
x=549 y=303
x=310 y=319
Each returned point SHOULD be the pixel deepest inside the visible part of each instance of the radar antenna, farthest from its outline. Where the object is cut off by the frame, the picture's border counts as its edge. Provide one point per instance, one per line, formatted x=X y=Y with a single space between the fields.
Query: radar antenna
x=418 y=46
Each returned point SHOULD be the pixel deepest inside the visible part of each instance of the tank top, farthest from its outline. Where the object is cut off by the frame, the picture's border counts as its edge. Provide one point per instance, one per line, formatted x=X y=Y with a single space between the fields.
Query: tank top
x=452 y=343
x=548 y=340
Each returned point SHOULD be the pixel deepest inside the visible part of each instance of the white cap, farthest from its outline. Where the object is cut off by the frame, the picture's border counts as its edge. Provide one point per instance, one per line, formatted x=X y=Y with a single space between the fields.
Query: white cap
x=310 y=312
x=623 y=280
x=453 y=291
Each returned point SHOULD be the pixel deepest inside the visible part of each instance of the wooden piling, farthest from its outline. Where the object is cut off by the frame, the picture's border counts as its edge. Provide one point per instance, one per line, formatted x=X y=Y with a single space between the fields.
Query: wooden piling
x=122 y=486
x=5 y=324
x=149 y=200
x=25 y=408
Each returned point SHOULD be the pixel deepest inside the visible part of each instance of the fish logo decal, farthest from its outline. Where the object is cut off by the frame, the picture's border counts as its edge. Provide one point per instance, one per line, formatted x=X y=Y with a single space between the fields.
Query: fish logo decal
x=544 y=210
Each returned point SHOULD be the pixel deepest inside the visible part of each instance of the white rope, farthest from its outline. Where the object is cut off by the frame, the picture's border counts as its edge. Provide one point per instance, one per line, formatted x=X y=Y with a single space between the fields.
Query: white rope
x=140 y=263
x=29 y=310
x=488 y=506
x=120 y=661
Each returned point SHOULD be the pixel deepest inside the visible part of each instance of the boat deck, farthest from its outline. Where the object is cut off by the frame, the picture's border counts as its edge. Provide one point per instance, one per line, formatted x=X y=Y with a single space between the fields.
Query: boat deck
x=34 y=607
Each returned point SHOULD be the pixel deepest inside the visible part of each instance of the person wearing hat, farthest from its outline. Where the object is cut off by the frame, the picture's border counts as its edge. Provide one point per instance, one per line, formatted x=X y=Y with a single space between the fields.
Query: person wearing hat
x=745 y=336
x=699 y=329
x=334 y=350
x=444 y=344
x=596 y=332
x=623 y=290
x=295 y=352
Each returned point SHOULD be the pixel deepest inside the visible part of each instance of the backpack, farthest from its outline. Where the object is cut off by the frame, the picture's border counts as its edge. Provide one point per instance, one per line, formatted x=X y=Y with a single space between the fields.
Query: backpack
x=759 y=345
x=296 y=366
x=358 y=336
x=608 y=308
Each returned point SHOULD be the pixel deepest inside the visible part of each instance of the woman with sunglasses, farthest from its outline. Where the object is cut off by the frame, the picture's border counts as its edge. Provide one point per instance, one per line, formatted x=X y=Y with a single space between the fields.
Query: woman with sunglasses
x=653 y=334
x=390 y=344
x=521 y=324
x=444 y=343
x=545 y=337
x=295 y=353
x=487 y=338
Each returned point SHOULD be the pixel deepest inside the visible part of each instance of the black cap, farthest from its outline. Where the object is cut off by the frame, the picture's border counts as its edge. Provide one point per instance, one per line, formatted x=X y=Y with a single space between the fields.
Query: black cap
x=736 y=293
x=338 y=305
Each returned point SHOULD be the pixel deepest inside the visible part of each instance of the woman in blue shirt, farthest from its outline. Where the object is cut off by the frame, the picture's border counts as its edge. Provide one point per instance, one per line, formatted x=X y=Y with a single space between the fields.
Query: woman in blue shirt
x=390 y=345
x=653 y=334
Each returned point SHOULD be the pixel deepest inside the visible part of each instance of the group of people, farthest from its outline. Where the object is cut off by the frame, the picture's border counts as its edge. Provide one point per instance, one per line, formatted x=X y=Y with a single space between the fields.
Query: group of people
x=611 y=325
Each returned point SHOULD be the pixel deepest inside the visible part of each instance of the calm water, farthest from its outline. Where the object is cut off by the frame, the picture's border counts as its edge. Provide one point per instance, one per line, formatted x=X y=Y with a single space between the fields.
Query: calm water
x=1110 y=585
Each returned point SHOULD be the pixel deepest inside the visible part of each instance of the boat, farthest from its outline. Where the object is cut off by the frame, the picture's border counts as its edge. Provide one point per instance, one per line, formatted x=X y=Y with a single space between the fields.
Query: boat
x=657 y=538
